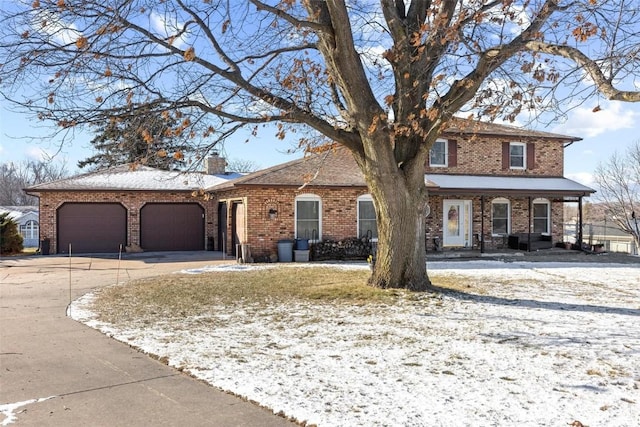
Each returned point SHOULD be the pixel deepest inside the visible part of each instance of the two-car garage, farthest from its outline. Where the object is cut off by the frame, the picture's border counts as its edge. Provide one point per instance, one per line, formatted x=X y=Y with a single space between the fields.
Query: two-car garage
x=103 y=227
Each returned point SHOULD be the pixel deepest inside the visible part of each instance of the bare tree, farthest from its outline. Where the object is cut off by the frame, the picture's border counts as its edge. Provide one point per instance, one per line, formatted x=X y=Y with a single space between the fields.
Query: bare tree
x=618 y=181
x=16 y=176
x=242 y=166
x=382 y=79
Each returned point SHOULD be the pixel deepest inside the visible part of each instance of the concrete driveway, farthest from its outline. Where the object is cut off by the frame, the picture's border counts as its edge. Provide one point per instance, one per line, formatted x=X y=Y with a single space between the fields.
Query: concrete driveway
x=55 y=371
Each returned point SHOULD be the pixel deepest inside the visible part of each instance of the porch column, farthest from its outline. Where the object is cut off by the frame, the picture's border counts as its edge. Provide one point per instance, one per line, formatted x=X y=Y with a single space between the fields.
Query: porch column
x=529 y=228
x=481 y=224
x=579 y=241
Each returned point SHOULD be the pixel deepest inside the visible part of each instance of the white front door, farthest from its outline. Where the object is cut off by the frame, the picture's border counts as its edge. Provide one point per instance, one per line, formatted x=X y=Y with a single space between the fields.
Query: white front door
x=456 y=223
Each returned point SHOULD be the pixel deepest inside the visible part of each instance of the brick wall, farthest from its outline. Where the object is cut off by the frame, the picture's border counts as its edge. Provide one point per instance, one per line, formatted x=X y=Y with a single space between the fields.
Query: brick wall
x=483 y=156
x=519 y=219
x=133 y=201
x=339 y=214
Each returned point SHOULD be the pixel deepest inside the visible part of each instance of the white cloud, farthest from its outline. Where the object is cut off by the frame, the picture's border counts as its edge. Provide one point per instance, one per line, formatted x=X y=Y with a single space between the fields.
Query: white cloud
x=166 y=29
x=37 y=153
x=612 y=116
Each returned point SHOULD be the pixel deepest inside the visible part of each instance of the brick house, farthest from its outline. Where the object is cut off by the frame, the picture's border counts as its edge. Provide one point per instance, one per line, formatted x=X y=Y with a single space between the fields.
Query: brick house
x=486 y=182
x=107 y=210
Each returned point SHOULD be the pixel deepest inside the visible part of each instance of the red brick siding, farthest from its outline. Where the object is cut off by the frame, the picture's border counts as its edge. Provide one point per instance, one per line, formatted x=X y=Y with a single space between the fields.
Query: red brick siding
x=483 y=156
x=133 y=201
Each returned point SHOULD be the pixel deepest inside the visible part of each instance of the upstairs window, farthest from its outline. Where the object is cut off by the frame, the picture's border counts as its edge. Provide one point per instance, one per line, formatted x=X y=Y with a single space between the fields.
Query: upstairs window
x=438 y=155
x=367 y=225
x=517 y=155
x=541 y=216
x=308 y=217
x=500 y=217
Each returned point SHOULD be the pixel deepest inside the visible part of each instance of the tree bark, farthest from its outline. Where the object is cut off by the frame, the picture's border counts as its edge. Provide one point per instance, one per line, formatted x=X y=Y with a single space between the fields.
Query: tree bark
x=400 y=197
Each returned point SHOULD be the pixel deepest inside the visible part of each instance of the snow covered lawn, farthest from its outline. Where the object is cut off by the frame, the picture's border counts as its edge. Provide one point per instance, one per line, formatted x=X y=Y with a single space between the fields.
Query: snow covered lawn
x=529 y=344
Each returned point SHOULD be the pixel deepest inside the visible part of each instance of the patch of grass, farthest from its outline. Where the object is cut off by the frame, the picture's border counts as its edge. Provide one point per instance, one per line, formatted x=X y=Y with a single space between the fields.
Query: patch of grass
x=179 y=295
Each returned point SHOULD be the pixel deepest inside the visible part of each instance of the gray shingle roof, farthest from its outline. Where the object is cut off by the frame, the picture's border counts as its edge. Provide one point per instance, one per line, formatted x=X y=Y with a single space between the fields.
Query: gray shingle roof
x=137 y=179
x=460 y=126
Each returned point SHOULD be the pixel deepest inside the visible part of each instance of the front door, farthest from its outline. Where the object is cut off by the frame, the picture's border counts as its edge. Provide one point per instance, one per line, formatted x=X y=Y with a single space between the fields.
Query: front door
x=456 y=226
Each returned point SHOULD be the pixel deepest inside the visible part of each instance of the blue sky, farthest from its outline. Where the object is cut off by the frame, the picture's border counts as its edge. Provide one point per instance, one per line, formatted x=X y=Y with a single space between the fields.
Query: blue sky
x=612 y=129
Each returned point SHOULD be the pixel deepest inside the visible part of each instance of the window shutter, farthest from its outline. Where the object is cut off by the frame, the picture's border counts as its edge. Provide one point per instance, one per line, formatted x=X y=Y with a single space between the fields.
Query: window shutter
x=453 y=153
x=505 y=155
x=531 y=156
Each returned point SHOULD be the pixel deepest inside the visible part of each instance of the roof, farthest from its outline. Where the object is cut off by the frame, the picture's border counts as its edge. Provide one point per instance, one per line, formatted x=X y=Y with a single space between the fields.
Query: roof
x=462 y=126
x=528 y=185
x=20 y=213
x=336 y=168
x=140 y=178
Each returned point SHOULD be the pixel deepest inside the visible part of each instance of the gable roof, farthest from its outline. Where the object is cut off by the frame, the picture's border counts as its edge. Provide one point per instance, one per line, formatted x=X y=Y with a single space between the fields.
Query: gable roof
x=460 y=126
x=140 y=178
x=335 y=168
x=18 y=213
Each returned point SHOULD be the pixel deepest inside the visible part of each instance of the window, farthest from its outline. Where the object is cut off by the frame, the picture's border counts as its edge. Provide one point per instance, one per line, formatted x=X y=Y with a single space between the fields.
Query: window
x=367 y=225
x=308 y=217
x=500 y=216
x=439 y=153
x=541 y=216
x=517 y=155
x=29 y=230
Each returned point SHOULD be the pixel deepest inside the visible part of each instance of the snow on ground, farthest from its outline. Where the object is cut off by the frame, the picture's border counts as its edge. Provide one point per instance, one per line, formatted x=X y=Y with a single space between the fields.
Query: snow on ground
x=540 y=345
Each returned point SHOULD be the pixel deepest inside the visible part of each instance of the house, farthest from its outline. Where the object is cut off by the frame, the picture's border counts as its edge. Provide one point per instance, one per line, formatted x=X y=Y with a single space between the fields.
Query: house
x=107 y=210
x=28 y=223
x=486 y=182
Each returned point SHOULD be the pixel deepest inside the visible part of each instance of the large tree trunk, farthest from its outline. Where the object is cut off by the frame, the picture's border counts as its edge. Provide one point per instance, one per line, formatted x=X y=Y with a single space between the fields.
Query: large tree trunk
x=400 y=197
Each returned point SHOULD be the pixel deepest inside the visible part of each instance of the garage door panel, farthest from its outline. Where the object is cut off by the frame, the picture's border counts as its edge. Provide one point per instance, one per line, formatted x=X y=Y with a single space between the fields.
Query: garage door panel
x=172 y=227
x=91 y=227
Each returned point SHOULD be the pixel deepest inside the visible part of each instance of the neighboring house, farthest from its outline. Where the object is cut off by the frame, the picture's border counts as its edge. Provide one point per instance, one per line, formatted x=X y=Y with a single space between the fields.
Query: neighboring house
x=607 y=234
x=107 y=210
x=485 y=181
x=28 y=223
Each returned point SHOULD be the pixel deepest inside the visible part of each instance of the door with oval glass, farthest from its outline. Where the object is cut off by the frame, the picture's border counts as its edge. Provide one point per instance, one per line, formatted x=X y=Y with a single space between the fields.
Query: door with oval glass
x=456 y=223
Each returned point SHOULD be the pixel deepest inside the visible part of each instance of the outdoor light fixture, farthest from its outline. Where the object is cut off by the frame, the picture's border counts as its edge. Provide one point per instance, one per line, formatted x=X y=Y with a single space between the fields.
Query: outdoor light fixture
x=273 y=213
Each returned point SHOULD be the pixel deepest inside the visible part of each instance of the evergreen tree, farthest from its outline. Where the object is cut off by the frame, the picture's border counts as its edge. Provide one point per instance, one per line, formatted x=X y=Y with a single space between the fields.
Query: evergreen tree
x=149 y=139
x=10 y=238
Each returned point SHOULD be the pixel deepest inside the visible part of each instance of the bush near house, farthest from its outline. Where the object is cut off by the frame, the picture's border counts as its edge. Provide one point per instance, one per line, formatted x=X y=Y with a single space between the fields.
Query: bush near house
x=10 y=238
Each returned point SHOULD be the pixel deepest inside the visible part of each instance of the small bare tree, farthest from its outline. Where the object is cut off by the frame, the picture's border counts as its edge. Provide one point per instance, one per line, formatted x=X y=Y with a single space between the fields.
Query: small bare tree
x=16 y=176
x=618 y=181
x=382 y=79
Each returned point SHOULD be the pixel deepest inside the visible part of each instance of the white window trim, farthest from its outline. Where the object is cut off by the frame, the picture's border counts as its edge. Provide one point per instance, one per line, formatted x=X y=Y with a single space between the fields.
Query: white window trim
x=446 y=155
x=503 y=201
x=363 y=198
x=524 y=155
x=31 y=227
x=308 y=198
x=542 y=202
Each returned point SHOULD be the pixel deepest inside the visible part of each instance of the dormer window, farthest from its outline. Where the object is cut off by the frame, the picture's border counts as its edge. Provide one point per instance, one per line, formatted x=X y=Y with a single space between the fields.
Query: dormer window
x=438 y=154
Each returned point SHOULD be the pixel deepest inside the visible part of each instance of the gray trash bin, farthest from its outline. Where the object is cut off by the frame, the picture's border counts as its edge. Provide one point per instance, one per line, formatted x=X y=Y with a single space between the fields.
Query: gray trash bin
x=285 y=250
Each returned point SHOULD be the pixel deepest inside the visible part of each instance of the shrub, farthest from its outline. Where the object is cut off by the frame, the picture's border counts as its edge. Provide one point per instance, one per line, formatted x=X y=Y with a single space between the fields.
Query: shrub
x=10 y=238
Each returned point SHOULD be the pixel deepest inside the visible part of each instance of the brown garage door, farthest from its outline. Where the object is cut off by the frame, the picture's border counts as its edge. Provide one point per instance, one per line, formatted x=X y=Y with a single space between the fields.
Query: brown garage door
x=172 y=227
x=91 y=227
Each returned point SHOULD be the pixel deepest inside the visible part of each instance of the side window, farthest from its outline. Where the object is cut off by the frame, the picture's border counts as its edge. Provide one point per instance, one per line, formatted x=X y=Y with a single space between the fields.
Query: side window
x=367 y=225
x=500 y=216
x=438 y=155
x=541 y=216
x=30 y=230
x=517 y=155
x=308 y=217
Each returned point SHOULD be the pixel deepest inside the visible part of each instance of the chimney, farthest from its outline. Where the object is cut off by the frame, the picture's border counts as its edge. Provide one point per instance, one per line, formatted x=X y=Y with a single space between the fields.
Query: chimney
x=215 y=164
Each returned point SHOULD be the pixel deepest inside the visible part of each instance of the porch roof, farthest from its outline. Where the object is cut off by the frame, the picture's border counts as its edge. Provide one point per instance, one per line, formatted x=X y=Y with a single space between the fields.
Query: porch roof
x=507 y=185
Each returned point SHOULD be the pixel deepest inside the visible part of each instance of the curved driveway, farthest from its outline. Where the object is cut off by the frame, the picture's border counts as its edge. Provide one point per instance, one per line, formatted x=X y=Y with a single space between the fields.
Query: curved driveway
x=55 y=371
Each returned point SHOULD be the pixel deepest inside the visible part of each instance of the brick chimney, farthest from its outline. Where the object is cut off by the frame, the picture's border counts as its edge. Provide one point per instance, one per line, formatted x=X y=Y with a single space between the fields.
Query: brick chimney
x=215 y=164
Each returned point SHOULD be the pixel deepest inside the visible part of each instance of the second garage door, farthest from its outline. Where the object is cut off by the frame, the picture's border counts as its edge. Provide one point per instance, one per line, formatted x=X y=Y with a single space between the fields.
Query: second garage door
x=172 y=227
